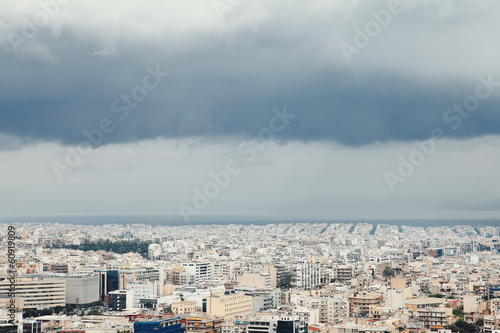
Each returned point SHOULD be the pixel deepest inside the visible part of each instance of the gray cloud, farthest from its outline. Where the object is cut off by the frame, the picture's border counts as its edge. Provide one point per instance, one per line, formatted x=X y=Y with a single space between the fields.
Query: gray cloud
x=225 y=77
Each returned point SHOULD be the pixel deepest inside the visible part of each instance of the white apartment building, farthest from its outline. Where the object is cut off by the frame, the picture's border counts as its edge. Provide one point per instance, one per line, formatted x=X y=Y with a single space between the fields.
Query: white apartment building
x=197 y=271
x=308 y=275
x=394 y=299
x=140 y=289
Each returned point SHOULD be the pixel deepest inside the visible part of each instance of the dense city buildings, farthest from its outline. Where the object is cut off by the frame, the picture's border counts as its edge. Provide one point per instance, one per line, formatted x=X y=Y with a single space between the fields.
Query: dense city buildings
x=333 y=278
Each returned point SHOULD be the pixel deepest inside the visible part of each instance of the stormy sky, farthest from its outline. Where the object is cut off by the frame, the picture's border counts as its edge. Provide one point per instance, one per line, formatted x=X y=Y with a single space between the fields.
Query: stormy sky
x=330 y=109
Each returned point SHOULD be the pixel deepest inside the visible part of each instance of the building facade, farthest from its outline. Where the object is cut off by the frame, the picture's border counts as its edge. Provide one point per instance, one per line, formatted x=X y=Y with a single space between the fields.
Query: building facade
x=229 y=305
x=38 y=293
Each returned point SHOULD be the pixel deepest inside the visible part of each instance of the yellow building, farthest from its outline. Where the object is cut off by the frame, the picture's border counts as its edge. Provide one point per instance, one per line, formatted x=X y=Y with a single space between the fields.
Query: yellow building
x=229 y=305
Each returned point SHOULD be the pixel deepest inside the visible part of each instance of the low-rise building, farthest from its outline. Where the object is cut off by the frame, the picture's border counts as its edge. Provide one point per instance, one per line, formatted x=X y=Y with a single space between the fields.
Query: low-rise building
x=277 y=325
x=171 y=325
x=203 y=325
x=183 y=307
x=436 y=318
x=229 y=304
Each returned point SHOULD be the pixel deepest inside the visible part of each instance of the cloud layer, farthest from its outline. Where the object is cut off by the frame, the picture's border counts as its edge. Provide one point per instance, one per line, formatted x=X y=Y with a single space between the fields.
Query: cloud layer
x=226 y=75
x=168 y=90
x=293 y=181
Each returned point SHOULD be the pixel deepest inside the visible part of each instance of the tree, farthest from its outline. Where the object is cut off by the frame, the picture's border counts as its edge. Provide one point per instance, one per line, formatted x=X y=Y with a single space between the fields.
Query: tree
x=458 y=313
x=168 y=309
x=46 y=312
x=29 y=313
x=287 y=283
x=388 y=272
x=464 y=327
x=93 y=313
x=108 y=246
x=58 y=309
x=97 y=303
x=69 y=309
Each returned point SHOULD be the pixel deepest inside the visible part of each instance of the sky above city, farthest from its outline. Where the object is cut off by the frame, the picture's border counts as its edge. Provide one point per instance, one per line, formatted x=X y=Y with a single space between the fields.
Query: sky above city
x=271 y=109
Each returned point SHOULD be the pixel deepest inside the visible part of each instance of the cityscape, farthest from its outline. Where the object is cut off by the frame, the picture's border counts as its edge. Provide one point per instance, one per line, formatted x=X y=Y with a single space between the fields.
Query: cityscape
x=295 y=277
x=249 y=166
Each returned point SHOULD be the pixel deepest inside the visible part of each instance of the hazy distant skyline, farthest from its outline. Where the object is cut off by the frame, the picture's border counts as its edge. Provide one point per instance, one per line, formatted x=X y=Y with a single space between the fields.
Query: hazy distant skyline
x=169 y=93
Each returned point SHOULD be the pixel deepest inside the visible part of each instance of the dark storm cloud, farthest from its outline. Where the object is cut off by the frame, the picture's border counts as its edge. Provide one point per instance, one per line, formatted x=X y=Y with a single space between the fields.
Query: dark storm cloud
x=220 y=87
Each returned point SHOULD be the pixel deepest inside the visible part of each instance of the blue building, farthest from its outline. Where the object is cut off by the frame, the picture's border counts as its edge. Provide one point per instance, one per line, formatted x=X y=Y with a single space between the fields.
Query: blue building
x=108 y=281
x=492 y=288
x=171 y=325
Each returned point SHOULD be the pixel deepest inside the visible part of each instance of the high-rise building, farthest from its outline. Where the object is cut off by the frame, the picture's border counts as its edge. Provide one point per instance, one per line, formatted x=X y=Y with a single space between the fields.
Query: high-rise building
x=108 y=281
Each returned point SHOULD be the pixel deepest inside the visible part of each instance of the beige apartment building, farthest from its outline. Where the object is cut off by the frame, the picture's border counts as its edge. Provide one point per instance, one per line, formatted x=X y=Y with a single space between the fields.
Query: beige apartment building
x=38 y=293
x=435 y=319
x=277 y=273
x=229 y=305
x=254 y=279
x=360 y=305
x=330 y=310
